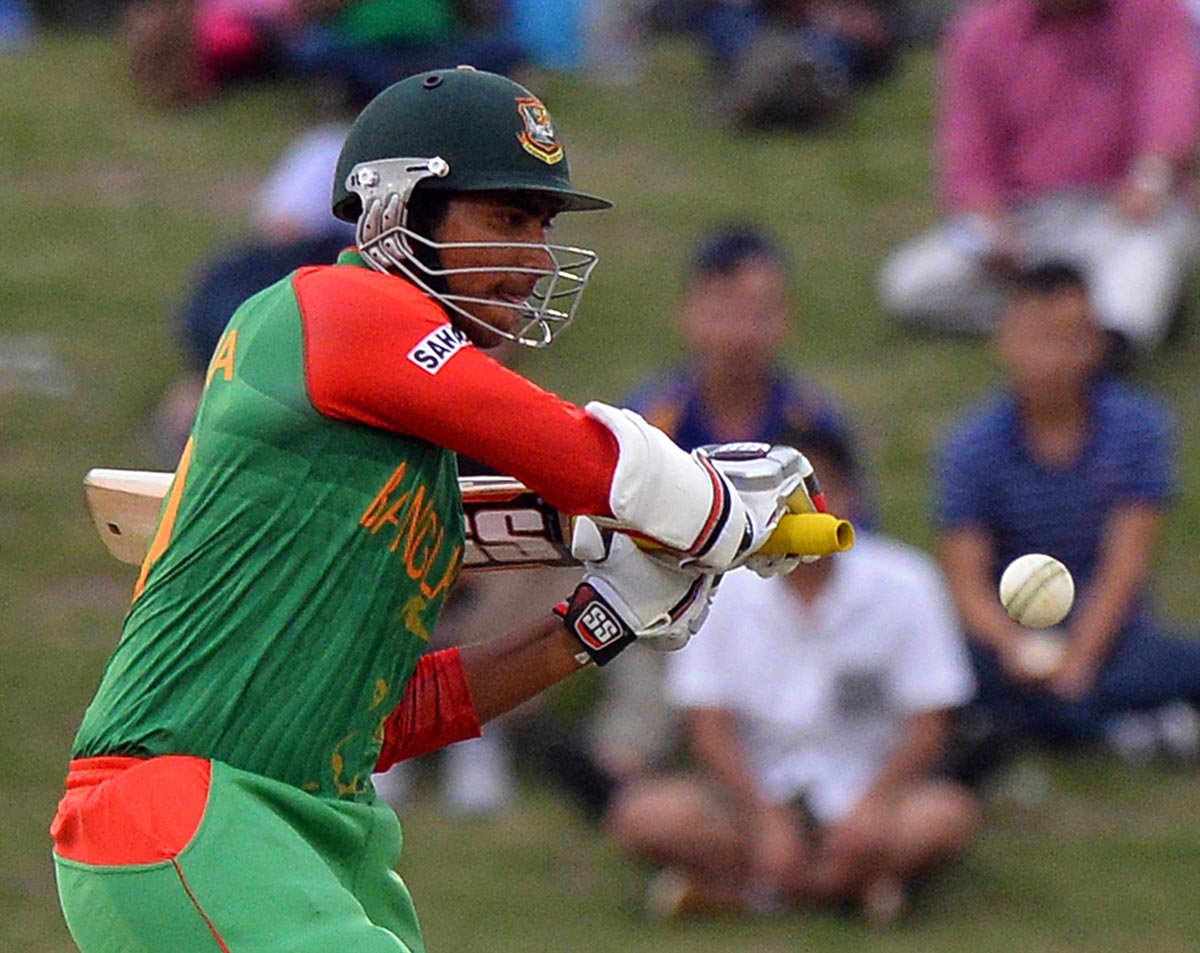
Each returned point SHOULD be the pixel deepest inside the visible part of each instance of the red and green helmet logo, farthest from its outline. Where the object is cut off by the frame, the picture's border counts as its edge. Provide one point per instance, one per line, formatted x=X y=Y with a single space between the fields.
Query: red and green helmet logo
x=537 y=137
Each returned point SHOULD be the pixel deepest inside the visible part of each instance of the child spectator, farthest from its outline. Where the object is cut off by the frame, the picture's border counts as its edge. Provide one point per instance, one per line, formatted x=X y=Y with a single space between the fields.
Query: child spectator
x=1069 y=463
x=734 y=317
x=818 y=709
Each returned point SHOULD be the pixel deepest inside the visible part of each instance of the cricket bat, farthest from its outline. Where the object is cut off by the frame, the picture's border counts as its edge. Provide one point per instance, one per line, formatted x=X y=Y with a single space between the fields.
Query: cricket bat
x=508 y=526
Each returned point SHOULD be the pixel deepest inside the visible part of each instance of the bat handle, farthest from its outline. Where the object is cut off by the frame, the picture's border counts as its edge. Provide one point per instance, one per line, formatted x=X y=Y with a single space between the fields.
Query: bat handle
x=809 y=534
x=796 y=534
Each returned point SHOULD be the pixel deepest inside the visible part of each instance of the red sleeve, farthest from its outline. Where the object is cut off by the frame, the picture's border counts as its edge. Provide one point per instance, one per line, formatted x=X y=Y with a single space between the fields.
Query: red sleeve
x=436 y=710
x=380 y=352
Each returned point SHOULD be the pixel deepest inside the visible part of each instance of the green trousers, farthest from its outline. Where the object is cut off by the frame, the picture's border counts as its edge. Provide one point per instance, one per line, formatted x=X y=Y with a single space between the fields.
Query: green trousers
x=269 y=869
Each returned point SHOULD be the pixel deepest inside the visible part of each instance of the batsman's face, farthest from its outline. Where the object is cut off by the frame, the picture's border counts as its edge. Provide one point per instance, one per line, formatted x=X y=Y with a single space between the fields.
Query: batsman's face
x=520 y=220
x=1050 y=345
x=735 y=323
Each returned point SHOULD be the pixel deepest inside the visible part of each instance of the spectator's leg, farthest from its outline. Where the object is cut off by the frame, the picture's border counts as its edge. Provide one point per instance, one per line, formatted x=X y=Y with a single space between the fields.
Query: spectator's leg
x=937 y=283
x=1137 y=270
x=1024 y=711
x=1149 y=668
x=677 y=824
x=935 y=823
x=896 y=840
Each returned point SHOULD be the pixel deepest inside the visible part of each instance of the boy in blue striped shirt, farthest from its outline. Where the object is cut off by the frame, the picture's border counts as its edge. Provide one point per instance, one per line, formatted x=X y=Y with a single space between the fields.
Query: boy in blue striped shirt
x=1069 y=462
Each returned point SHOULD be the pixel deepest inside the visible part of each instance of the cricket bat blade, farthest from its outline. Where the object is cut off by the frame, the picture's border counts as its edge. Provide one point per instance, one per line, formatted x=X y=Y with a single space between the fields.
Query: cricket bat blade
x=508 y=526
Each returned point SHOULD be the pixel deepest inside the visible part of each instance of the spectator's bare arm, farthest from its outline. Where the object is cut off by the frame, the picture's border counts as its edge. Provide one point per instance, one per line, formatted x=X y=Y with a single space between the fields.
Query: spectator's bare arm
x=776 y=844
x=1104 y=607
x=967 y=557
x=926 y=735
x=1167 y=86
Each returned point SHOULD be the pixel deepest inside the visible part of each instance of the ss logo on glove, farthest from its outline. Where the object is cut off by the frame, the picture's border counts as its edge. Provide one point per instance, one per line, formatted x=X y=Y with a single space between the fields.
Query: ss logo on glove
x=597 y=626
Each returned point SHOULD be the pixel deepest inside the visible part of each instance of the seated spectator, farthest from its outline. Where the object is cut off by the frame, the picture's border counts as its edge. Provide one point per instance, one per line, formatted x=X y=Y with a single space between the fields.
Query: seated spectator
x=818 y=709
x=734 y=317
x=795 y=63
x=1067 y=128
x=1065 y=462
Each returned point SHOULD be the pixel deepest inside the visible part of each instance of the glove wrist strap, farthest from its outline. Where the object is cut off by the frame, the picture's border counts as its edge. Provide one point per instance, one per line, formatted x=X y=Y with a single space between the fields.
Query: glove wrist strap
x=596 y=624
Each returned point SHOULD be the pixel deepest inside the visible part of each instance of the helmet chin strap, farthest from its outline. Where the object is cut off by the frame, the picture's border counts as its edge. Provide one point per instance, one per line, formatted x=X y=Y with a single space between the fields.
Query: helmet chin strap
x=389 y=245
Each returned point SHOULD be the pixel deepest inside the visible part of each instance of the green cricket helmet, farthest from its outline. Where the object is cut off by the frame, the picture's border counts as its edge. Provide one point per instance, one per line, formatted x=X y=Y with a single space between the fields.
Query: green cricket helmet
x=460 y=130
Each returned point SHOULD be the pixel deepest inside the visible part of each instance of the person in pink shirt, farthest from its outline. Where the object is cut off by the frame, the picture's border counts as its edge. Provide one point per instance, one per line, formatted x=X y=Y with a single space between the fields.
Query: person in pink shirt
x=1066 y=131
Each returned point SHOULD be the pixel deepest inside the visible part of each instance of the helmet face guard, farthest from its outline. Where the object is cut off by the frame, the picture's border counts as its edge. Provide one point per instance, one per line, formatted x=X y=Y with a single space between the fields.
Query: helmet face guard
x=389 y=245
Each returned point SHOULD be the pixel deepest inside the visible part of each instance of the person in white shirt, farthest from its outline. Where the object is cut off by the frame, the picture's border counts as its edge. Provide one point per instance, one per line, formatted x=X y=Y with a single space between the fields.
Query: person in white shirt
x=818 y=710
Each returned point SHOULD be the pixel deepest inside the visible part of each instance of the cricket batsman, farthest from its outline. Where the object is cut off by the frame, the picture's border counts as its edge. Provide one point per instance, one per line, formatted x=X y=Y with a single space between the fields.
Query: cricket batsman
x=219 y=797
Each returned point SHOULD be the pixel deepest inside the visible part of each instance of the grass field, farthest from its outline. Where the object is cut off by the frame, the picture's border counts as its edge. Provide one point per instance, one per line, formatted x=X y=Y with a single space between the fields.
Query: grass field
x=106 y=207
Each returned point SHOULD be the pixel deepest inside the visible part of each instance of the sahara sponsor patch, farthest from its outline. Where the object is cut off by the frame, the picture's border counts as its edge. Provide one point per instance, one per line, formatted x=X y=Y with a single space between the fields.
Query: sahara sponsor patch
x=437 y=347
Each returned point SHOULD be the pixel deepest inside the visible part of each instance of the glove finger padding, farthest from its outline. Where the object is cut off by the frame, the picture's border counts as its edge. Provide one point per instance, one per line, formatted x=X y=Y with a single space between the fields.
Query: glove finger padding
x=770 y=481
x=589 y=543
x=632 y=595
x=687 y=622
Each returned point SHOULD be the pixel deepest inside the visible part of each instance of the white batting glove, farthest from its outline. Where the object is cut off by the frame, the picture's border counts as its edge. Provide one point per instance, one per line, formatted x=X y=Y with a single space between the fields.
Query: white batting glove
x=629 y=595
x=770 y=481
x=677 y=498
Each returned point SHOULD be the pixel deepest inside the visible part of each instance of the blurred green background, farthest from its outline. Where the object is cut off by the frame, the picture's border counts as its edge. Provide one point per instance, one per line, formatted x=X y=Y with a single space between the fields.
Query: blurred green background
x=107 y=206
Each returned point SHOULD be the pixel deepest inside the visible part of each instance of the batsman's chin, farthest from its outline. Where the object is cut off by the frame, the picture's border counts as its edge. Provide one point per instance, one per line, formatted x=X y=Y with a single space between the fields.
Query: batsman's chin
x=490 y=326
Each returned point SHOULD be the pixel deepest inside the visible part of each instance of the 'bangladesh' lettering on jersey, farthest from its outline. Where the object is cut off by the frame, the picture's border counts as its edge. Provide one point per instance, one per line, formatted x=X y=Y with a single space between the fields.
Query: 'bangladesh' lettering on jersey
x=300 y=564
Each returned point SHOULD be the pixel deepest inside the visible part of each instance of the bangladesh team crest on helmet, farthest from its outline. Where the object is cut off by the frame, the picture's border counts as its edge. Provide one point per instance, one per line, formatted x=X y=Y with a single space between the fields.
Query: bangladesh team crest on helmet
x=538 y=137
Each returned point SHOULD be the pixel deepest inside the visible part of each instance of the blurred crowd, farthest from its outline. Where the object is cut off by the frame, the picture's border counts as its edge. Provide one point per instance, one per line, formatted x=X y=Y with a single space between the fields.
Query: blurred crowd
x=772 y=63
x=831 y=737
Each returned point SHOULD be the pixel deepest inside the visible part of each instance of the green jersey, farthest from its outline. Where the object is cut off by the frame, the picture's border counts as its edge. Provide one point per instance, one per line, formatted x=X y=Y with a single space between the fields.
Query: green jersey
x=301 y=561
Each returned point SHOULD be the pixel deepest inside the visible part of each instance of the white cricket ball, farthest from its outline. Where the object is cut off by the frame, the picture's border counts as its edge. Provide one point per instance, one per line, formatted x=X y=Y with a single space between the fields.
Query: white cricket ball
x=1037 y=590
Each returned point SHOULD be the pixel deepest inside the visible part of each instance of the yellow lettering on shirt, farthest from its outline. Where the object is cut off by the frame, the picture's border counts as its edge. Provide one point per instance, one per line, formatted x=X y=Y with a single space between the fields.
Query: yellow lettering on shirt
x=343 y=787
x=223 y=358
x=381 y=692
x=411 y=616
x=419 y=536
x=166 y=523
x=392 y=515
x=382 y=505
x=448 y=576
x=405 y=528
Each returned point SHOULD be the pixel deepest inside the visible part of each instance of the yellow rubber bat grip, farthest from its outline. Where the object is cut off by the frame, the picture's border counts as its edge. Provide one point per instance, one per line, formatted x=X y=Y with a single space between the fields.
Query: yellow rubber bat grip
x=809 y=534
